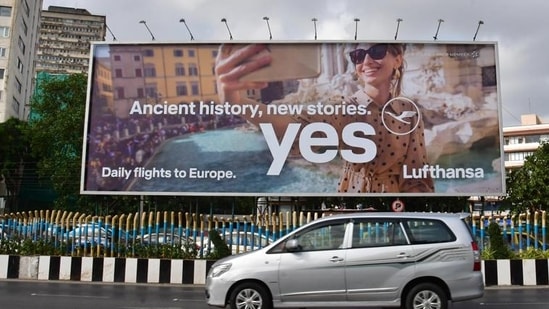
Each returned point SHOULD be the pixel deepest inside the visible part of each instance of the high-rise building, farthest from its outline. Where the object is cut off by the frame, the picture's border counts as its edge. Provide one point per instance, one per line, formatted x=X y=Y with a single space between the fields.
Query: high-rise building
x=19 y=24
x=65 y=38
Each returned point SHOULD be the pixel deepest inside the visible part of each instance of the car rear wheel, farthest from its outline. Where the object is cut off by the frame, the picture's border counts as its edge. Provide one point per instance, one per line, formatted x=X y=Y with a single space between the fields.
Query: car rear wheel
x=426 y=296
x=250 y=295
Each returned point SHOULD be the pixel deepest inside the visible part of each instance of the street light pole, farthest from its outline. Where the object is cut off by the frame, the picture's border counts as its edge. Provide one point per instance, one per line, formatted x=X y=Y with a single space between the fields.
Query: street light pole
x=266 y=19
x=356 y=27
x=480 y=22
x=150 y=32
x=398 y=26
x=436 y=34
x=182 y=20
x=224 y=20
x=314 y=20
x=109 y=29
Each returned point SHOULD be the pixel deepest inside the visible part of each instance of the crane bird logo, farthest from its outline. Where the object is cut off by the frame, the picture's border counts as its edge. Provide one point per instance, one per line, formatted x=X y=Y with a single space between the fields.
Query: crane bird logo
x=410 y=118
x=402 y=117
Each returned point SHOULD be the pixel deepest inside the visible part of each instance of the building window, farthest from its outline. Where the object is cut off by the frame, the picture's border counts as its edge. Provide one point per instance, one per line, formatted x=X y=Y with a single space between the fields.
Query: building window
x=27 y=8
x=148 y=53
x=116 y=57
x=179 y=69
x=140 y=92
x=3 y=52
x=195 y=89
x=20 y=65
x=191 y=52
x=150 y=71
x=178 y=53
x=120 y=93
x=15 y=105
x=24 y=25
x=18 y=85
x=2 y=73
x=5 y=10
x=138 y=72
x=151 y=91
x=136 y=58
x=517 y=156
x=4 y=32
x=181 y=89
x=118 y=72
x=193 y=70
x=21 y=45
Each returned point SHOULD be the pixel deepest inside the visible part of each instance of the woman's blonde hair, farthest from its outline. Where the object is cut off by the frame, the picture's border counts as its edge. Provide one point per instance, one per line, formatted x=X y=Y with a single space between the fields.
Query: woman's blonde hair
x=396 y=83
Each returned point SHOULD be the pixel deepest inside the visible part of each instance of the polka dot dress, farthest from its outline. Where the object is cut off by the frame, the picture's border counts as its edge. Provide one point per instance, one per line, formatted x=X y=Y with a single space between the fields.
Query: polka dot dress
x=400 y=141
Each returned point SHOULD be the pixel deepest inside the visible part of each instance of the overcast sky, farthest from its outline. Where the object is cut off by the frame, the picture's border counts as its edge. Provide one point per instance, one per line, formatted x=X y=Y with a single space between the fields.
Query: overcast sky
x=519 y=28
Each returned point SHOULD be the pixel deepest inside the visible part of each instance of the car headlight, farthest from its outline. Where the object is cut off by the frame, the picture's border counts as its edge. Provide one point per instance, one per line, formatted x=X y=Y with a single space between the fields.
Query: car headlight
x=220 y=269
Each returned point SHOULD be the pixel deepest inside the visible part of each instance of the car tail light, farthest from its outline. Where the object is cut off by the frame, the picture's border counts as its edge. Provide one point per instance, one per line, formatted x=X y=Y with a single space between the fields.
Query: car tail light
x=476 y=256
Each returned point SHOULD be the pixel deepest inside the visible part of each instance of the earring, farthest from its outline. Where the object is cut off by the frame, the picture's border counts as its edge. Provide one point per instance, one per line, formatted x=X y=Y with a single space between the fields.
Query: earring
x=396 y=74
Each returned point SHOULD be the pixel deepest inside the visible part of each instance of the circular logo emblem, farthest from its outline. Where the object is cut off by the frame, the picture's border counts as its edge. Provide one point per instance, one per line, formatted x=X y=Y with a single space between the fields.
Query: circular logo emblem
x=404 y=122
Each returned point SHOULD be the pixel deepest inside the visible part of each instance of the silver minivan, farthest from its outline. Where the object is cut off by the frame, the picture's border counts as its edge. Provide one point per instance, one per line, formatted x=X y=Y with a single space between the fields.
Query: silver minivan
x=407 y=260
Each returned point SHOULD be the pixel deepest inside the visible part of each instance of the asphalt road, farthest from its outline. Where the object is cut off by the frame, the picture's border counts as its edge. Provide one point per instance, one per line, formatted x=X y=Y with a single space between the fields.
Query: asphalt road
x=19 y=294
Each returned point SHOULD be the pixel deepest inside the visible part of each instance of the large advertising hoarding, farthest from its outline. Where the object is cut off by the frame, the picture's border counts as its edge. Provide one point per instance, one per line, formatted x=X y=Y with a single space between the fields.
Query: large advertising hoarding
x=294 y=119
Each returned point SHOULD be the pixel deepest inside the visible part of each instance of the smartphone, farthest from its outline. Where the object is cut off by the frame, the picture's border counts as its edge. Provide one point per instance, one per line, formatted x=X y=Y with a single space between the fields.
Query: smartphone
x=289 y=61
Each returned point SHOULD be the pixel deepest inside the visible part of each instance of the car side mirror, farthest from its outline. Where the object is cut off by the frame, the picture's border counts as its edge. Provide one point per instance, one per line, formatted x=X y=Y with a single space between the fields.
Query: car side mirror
x=292 y=245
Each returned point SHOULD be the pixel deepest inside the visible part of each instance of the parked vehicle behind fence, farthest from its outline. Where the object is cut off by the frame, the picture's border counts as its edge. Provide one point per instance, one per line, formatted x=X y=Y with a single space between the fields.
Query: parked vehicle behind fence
x=238 y=241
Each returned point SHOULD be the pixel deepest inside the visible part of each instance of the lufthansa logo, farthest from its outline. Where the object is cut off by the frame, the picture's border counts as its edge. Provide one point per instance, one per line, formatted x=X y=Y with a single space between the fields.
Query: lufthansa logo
x=405 y=122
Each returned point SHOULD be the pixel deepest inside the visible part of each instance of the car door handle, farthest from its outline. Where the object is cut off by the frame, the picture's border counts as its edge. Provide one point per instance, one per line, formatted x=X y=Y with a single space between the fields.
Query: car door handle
x=336 y=259
x=403 y=255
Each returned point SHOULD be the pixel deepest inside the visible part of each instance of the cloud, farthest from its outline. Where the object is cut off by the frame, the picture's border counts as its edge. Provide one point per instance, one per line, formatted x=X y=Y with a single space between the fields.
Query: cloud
x=519 y=27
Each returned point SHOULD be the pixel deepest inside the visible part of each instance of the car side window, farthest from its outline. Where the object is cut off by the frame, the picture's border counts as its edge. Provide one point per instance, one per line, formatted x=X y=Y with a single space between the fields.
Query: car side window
x=327 y=236
x=426 y=231
x=377 y=232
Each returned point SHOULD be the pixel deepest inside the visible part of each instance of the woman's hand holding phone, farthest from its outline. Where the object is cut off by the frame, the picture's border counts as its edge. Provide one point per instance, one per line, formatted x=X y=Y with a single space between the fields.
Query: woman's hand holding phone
x=235 y=61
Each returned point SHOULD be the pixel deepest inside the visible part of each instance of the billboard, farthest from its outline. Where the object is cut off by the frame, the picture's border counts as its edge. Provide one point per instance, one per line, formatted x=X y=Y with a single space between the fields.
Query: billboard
x=332 y=118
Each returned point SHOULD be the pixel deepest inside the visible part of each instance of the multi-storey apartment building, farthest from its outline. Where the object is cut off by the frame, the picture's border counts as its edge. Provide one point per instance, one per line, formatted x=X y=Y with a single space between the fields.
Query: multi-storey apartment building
x=155 y=73
x=523 y=140
x=19 y=23
x=65 y=37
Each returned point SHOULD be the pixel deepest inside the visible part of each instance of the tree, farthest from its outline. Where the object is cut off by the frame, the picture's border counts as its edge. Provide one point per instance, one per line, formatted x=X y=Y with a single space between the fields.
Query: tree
x=497 y=245
x=527 y=186
x=56 y=134
x=14 y=152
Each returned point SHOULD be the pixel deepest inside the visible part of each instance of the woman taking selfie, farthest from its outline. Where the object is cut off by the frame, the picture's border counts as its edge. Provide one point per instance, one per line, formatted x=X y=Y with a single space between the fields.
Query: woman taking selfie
x=398 y=165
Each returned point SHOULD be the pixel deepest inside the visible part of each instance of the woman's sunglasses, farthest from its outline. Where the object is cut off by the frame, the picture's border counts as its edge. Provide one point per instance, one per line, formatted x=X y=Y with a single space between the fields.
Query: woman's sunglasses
x=376 y=52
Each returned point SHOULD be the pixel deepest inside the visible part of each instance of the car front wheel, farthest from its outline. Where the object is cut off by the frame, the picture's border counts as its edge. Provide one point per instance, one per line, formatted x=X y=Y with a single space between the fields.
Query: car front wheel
x=426 y=296
x=250 y=295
